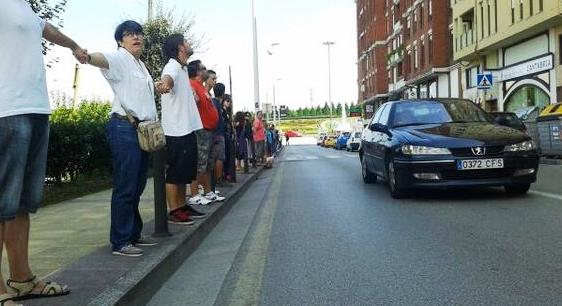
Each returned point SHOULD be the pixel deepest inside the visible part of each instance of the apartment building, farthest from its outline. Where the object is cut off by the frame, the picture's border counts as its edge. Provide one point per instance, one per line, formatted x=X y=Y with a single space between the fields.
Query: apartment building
x=518 y=42
x=404 y=51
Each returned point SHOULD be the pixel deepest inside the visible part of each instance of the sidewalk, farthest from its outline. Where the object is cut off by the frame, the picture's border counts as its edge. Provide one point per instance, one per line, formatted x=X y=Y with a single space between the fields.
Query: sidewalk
x=70 y=244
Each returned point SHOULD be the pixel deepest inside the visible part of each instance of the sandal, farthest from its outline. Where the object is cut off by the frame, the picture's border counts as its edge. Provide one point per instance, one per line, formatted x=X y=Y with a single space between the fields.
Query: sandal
x=24 y=290
x=6 y=297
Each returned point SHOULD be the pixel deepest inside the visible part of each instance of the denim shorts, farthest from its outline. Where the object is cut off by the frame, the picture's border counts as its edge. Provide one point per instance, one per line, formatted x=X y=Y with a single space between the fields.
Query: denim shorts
x=24 y=140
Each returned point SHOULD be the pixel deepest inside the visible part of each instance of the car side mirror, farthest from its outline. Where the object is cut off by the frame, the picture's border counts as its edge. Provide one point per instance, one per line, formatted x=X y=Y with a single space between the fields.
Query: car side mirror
x=377 y=127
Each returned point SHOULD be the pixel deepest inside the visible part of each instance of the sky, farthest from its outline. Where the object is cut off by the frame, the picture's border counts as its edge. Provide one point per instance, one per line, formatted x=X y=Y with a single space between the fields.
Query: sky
x=299 y=64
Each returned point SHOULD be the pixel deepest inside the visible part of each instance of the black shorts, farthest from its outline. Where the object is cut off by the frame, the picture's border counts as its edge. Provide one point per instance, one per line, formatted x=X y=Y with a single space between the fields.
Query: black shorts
x=181 y=159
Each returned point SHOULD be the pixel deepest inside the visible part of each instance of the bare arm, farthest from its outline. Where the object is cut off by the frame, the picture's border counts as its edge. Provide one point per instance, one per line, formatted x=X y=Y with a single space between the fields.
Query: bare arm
x=98 y=60
x=52 y=34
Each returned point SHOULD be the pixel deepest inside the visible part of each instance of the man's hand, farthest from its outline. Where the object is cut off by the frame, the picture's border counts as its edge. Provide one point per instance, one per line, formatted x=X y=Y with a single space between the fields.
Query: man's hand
x=81 y=55
x=162 y=88
x=165 y=85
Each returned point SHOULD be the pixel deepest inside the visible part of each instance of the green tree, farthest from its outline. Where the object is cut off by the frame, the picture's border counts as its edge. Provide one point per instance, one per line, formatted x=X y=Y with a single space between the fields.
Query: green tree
x=50 y=11
x=155 y=33
x=338 y=109
x=326 y=109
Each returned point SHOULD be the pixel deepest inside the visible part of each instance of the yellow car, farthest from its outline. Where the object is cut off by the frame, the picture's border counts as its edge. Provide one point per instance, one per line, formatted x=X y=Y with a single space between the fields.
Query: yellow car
x=330 y=142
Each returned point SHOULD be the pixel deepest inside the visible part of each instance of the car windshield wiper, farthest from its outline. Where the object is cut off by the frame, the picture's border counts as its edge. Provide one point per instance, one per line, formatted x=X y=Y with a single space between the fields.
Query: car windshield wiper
x=467 y=121
x=416 y=123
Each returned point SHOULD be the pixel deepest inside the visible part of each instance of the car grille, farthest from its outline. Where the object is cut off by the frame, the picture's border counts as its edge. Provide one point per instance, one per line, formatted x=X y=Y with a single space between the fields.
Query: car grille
x=476 y=174
x=467 y=152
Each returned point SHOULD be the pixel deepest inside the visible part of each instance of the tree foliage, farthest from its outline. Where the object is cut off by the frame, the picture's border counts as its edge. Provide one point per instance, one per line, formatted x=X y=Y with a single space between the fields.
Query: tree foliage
x=50 y=11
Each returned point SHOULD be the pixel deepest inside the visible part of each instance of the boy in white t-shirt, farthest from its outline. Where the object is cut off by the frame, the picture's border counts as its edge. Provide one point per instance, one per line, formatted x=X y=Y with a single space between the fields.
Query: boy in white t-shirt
x=180 y=120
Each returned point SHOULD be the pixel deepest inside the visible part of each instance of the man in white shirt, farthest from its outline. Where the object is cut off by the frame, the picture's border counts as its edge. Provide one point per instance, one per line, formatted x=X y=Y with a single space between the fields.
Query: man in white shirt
x=24 y=138
x=180 y=120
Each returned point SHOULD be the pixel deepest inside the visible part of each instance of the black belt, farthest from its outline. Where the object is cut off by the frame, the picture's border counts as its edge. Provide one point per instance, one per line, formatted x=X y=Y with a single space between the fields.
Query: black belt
x=121 y=117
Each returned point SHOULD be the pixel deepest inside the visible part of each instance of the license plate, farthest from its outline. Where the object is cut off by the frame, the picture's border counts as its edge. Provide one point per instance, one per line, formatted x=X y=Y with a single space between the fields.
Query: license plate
x=475 y=164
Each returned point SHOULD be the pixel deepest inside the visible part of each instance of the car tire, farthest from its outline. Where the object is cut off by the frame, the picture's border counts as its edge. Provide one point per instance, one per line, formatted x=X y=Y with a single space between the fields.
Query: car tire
x=368 y=176
x=517 y=189
x=396 y=189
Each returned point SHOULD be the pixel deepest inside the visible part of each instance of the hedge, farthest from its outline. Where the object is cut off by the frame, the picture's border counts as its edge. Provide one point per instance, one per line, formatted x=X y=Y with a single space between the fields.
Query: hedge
x=77 y=141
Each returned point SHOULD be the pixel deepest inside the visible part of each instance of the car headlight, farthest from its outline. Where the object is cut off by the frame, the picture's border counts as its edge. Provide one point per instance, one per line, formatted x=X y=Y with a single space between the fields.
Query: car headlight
x=421 y=150
x=528 y=145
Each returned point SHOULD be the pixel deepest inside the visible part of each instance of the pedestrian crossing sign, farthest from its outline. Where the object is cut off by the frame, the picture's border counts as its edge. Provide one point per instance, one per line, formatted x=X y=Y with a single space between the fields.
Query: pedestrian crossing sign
x=484 y=80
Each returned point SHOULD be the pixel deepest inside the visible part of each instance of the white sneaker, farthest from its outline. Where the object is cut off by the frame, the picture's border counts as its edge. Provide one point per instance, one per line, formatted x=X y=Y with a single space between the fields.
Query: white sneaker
x=217 y=192
x=199 y=200
x=211 y=196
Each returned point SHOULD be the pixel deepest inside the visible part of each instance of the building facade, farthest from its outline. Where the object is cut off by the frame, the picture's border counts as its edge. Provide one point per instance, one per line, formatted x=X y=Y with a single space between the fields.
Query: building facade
x=517 y=42
x=404 y=51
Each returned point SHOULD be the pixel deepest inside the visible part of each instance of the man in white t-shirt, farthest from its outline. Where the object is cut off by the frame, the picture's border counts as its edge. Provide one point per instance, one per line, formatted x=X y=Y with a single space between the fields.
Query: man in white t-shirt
x=24 y=138
x=180 y=120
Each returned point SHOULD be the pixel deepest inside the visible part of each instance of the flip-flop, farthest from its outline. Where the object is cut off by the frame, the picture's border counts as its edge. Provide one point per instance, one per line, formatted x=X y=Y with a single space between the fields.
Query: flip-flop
x=7 y=297
x=24 y=290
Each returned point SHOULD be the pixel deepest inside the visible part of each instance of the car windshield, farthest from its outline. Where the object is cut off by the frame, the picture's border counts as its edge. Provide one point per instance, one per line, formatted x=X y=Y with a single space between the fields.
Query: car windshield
x=436 y=112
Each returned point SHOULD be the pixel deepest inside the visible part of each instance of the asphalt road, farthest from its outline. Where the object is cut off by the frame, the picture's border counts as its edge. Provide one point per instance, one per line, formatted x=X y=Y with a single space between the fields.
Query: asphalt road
x=310 y=232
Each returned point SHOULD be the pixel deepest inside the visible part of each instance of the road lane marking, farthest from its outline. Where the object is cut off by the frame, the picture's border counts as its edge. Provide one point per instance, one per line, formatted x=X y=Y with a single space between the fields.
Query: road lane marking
x=250 y=278
x=546 y=194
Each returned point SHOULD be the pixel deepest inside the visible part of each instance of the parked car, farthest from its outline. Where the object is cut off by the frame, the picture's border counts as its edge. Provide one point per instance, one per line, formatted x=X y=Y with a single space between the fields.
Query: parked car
x=354 y=141
x=330 y=142
x=509 y=119
x=443 y=143
x=341 y=141
x=291 y=133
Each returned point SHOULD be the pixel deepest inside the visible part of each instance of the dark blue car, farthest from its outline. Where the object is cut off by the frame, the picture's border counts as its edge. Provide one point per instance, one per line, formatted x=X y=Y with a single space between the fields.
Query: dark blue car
x=444 y=143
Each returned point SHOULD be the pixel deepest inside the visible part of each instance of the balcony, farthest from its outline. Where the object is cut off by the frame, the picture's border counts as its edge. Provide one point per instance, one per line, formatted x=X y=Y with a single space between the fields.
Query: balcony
x=464 y=40
x=395 y=57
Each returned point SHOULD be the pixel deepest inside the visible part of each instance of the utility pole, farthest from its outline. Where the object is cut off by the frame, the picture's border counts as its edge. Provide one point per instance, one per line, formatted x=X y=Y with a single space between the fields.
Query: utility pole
x=256 y=69
x=150 y=9
x=329 y=44
x=75 y=85
x=270 y=52
x=311 y=97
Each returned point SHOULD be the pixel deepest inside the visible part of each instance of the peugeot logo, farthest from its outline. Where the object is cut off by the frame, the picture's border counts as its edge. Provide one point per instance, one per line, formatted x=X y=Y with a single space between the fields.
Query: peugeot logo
x=479 y=151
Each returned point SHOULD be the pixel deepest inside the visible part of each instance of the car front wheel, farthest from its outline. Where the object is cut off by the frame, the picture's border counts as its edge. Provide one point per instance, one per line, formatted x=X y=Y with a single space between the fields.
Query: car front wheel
x=368 y=176
x=395 y=187
x=517 y=189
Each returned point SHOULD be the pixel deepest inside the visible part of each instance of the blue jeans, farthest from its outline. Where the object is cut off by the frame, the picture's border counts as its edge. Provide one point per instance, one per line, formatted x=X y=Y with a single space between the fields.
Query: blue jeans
x=130 y=167
x=24 y=140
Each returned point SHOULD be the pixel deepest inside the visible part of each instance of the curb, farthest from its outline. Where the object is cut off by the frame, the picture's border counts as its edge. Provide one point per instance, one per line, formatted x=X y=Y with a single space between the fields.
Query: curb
x=137 y=286
x=136 y=281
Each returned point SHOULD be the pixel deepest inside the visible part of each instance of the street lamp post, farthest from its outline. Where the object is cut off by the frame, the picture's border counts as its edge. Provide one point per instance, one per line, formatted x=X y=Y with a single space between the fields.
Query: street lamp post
x=256 y=70
x=329 y=44
x=270 y=52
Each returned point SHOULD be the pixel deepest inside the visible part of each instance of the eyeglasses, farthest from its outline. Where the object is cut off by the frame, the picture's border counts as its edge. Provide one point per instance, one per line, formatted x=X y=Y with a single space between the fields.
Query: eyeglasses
x=131 y=34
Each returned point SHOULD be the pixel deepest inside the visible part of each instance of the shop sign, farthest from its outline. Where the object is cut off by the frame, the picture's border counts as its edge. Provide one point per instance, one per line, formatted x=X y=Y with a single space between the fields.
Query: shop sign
x=534 y=66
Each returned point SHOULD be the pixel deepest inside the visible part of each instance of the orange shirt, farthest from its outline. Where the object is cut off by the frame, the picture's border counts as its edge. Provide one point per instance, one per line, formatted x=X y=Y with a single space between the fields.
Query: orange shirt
x=207 y=111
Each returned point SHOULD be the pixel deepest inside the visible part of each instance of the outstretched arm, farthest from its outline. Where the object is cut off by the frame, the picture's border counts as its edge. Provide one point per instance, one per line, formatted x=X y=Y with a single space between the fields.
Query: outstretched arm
x=52 y=34
x=97 y=60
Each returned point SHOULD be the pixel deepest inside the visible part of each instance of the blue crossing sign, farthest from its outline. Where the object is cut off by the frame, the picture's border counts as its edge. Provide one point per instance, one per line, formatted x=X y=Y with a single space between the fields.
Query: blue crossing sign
x=484 y=80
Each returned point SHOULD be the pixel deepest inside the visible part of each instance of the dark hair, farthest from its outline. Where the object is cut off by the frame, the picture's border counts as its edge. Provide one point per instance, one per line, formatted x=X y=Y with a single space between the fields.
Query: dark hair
x=240 y=117
x=170 y=48
x=219 y=89
x=211 y=72
x=193 y=68
x=127 y=26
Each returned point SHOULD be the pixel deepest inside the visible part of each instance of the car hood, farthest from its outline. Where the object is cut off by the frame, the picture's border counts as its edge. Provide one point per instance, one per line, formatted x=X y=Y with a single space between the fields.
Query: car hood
x=460 y=135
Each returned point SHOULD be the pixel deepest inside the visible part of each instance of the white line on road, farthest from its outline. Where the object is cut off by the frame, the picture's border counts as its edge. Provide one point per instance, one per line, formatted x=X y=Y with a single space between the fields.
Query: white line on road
x=546 y=194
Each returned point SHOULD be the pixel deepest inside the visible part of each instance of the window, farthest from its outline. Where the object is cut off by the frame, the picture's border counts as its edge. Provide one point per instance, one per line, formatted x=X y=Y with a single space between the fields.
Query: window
x=531 y=7
x=421 y=17
x=422 y=53
x=416 y=57
x=520 y=9
x=471 y=76
x=430 y=49
x=512 y=11
x=377 y=115
x=384 y=115
x=489 y=18
x=496 y=16
x=560 y=48
x=540 y=6
x=482 y=18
